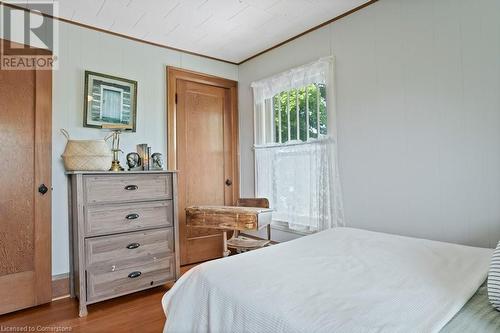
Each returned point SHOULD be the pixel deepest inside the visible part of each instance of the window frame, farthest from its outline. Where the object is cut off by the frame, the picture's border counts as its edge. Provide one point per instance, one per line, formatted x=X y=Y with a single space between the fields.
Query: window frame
x=266 y=131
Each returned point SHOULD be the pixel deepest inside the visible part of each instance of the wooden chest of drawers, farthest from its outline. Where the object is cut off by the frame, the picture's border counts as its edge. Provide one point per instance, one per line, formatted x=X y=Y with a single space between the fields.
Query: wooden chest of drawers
x=124 y=233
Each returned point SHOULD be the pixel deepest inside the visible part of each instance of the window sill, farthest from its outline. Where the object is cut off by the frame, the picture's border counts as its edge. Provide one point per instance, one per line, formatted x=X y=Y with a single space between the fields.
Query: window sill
x=282 y=226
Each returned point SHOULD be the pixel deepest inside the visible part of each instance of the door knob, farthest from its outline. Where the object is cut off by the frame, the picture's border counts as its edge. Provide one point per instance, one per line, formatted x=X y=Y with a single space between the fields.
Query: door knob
x=43 y=189
x=229 y=182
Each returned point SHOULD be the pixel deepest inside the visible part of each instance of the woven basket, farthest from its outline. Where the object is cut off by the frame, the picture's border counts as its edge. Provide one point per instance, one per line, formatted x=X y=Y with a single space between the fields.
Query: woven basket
x=86 y=155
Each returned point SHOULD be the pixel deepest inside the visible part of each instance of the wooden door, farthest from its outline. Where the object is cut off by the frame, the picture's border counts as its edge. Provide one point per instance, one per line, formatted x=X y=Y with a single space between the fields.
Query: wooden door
x=206 y=158
x=25 y=214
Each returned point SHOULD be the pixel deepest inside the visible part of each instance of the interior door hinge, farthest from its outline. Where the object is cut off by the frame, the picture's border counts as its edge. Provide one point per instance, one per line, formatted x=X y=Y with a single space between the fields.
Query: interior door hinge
x=175 y=98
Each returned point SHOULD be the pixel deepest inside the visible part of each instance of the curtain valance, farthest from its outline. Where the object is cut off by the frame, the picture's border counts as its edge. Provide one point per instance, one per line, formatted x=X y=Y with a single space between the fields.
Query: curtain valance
x=314 y=72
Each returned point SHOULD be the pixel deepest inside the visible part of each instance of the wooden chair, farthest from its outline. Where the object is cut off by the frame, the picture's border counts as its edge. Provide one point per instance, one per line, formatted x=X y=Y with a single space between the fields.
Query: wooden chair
x=241 y=243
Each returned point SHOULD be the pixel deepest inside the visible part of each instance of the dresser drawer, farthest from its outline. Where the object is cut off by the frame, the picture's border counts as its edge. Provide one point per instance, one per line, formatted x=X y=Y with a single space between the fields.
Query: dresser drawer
x=118 y=252
x=103 y=285
x=106 y=219
x=132 y=187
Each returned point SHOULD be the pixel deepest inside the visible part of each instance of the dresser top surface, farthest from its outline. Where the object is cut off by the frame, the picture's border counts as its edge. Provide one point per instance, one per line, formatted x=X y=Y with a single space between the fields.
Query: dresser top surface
x=119 y=172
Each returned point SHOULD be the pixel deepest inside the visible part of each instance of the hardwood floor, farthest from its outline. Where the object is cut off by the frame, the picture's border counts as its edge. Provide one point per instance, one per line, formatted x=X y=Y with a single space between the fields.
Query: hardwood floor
x=139 y=312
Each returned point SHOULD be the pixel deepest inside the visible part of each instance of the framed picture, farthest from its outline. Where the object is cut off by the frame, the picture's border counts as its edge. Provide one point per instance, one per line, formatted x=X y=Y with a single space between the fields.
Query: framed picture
x=110 y=102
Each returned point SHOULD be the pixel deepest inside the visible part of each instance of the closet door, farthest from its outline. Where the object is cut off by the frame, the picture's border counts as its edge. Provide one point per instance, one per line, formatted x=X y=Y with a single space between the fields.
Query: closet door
x=25 y=188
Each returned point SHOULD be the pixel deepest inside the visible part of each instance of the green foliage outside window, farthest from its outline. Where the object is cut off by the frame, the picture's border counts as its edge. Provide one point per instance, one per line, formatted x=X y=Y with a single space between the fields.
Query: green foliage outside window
x=308 y=99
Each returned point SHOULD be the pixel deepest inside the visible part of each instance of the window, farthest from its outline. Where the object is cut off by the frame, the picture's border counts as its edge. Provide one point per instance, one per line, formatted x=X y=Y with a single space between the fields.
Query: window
x=299 y=114
x=295 y=161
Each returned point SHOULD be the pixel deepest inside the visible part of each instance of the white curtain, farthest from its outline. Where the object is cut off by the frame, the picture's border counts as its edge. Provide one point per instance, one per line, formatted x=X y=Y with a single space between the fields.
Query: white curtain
x=300 y=179
x=316 y=72
x=302 y=184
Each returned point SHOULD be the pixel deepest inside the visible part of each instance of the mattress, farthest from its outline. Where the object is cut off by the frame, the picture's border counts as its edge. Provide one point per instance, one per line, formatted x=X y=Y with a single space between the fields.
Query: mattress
x=339 y=280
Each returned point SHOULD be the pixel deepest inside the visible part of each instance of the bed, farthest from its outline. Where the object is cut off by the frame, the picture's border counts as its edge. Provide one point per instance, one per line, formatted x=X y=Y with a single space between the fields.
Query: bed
x=339 y=280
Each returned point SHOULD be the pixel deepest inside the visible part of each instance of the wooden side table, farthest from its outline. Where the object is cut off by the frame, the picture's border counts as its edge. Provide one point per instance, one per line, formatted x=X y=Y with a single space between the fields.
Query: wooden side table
x=231 y=218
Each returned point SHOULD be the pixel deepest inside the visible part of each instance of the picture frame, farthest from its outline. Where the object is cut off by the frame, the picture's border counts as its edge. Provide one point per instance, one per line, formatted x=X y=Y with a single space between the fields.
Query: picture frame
x=109 y=102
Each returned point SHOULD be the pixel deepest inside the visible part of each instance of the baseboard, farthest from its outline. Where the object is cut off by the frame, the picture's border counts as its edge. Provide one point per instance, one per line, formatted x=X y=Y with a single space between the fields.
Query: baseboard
x=60 y=286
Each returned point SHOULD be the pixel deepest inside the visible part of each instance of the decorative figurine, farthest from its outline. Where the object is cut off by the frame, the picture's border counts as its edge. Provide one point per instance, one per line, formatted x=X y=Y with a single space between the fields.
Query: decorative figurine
x=157 y=161
x=134 y=162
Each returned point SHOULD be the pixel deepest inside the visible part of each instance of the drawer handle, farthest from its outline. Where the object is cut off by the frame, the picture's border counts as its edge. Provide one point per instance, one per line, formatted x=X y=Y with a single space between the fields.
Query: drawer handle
x=132 y=216
x=133 y=246
x=134 y=275
x=131 y=187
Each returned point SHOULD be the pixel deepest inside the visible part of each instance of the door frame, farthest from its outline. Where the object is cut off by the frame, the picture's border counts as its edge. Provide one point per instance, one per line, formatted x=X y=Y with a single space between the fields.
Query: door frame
x=174 y=74
x=35 y=287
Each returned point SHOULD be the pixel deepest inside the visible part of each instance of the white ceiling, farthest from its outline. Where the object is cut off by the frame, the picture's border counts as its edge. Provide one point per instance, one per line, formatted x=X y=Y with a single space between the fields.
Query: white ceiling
x=232 y=30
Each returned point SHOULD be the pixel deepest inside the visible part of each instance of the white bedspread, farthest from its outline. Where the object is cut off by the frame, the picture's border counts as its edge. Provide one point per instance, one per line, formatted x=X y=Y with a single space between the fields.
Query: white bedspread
x=340 y=280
